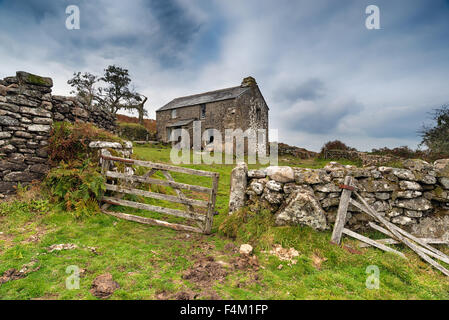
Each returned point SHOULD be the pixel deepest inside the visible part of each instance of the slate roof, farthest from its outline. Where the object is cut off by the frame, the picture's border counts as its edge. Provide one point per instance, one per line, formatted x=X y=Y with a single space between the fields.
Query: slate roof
x=206 y=97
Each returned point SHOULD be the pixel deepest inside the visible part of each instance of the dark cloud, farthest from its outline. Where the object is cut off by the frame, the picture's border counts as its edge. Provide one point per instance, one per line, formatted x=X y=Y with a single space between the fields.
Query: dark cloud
x=310 y=90
x=321 y=71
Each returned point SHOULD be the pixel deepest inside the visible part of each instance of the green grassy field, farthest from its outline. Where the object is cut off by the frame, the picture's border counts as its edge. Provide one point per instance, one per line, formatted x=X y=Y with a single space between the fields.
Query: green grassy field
x=159 y=263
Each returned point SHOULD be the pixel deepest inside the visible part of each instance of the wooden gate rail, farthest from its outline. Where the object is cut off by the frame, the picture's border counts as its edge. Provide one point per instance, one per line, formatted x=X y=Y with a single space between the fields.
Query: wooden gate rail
x=204 y=221
x=421 y=247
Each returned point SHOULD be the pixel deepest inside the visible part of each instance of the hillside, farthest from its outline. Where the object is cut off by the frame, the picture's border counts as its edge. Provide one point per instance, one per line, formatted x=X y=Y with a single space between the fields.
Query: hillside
x=158 y=263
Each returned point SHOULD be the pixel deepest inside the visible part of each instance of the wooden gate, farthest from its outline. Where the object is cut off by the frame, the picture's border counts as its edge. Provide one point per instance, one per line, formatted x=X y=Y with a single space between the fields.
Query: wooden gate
x=123 y=180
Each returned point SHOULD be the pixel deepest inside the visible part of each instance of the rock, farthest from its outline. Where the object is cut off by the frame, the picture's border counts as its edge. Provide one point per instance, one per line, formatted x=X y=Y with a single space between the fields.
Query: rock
x=444 y=182
x=105 y=145
x=329 y=202
x=281 y=174
x=272 y=197
x=302 y=208
x=382 y=195
x=36 y=112
x=246 y=249
x=381 y=206
x=432 y=227
x=417 y=204
x=8 y=121
x=33 y=79
x=104 y=286
x=416 y=165
x=329 y=187
x=257 y=174
x=427 y=179
x=19 y=177
x=395 y=212
x=403 y=174
x=408 y=194
x=274 y=186
x=413 y=214
x=257 y=187
x=39 y=128
x=377 y=186
x=290 y=187
x=311 y=176
x=409 y=185
x=40 y=168
x=238 y=186
x=441 y=167
x=403 y=221
x=5 y=135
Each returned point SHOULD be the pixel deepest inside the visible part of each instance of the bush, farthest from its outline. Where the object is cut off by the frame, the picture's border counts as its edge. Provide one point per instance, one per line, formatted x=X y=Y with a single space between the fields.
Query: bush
x=78 y=186
x=133 y=131
x=71 y=141
x=336 y=145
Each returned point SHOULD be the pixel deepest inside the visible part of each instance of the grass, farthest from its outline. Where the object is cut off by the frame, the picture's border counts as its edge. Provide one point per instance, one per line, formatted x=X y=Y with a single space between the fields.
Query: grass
x=147 y=261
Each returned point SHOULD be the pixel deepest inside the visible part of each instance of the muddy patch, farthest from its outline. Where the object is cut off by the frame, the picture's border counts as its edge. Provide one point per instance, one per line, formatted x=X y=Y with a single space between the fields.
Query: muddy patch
x=13 y=274
x=205 y=271
x=104 y=286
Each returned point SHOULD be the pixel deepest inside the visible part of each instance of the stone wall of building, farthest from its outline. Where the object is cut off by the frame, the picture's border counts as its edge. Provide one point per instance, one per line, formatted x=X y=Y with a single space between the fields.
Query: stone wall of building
x=311 y=197
x=27 y=112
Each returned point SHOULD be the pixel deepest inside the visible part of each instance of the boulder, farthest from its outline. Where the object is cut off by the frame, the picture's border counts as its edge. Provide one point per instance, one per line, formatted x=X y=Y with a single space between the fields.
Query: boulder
x=403 y=220
x=302 y=208
x=432 y=227
x=281 y=174
x=403 y=174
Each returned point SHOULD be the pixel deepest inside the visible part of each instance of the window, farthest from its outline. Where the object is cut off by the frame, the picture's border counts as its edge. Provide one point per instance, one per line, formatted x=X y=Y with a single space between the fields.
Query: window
x=258 y=114
x=173 y=113
x=203 y=111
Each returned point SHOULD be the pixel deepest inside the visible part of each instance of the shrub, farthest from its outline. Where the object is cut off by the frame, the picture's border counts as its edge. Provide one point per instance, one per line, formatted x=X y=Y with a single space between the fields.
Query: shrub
x=71 y=141
x=336 y=145
x=78 y=186
x=133 y=131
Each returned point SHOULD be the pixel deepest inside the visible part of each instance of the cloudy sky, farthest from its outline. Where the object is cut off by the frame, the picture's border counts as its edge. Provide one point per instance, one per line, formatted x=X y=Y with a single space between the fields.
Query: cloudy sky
x=324 y=75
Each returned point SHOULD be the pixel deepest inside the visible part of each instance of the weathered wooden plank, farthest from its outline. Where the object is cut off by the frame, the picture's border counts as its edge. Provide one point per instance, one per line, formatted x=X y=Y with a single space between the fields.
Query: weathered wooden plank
x=394 y=230
x=149 y=207
x=393 y=241
x=160 y=166
x=153 y=222
x=155 y=195
x=210 y=209
x=390 y=226
x=166 y=183
x=371 y=242
x=342 y=212
x=424 y=250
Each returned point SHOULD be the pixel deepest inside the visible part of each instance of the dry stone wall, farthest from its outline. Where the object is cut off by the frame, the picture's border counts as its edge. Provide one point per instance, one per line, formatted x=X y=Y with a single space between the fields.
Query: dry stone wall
x=406 y=197
x=27 y=112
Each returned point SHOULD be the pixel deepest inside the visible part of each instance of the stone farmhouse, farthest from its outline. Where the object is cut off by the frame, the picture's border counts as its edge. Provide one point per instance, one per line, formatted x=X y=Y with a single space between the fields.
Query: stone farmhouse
x=242 y=107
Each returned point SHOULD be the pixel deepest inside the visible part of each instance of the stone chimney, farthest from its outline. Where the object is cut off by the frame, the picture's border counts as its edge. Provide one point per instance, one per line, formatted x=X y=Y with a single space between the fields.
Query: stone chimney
x=248 y=82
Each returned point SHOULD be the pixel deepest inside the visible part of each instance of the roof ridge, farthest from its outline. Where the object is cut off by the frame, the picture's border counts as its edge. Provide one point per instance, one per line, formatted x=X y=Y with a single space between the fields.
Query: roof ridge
x=200 y=94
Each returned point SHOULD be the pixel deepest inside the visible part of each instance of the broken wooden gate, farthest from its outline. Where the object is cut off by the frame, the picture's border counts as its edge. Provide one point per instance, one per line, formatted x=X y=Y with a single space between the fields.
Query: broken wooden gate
x=122 y=183
x=420 y=246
